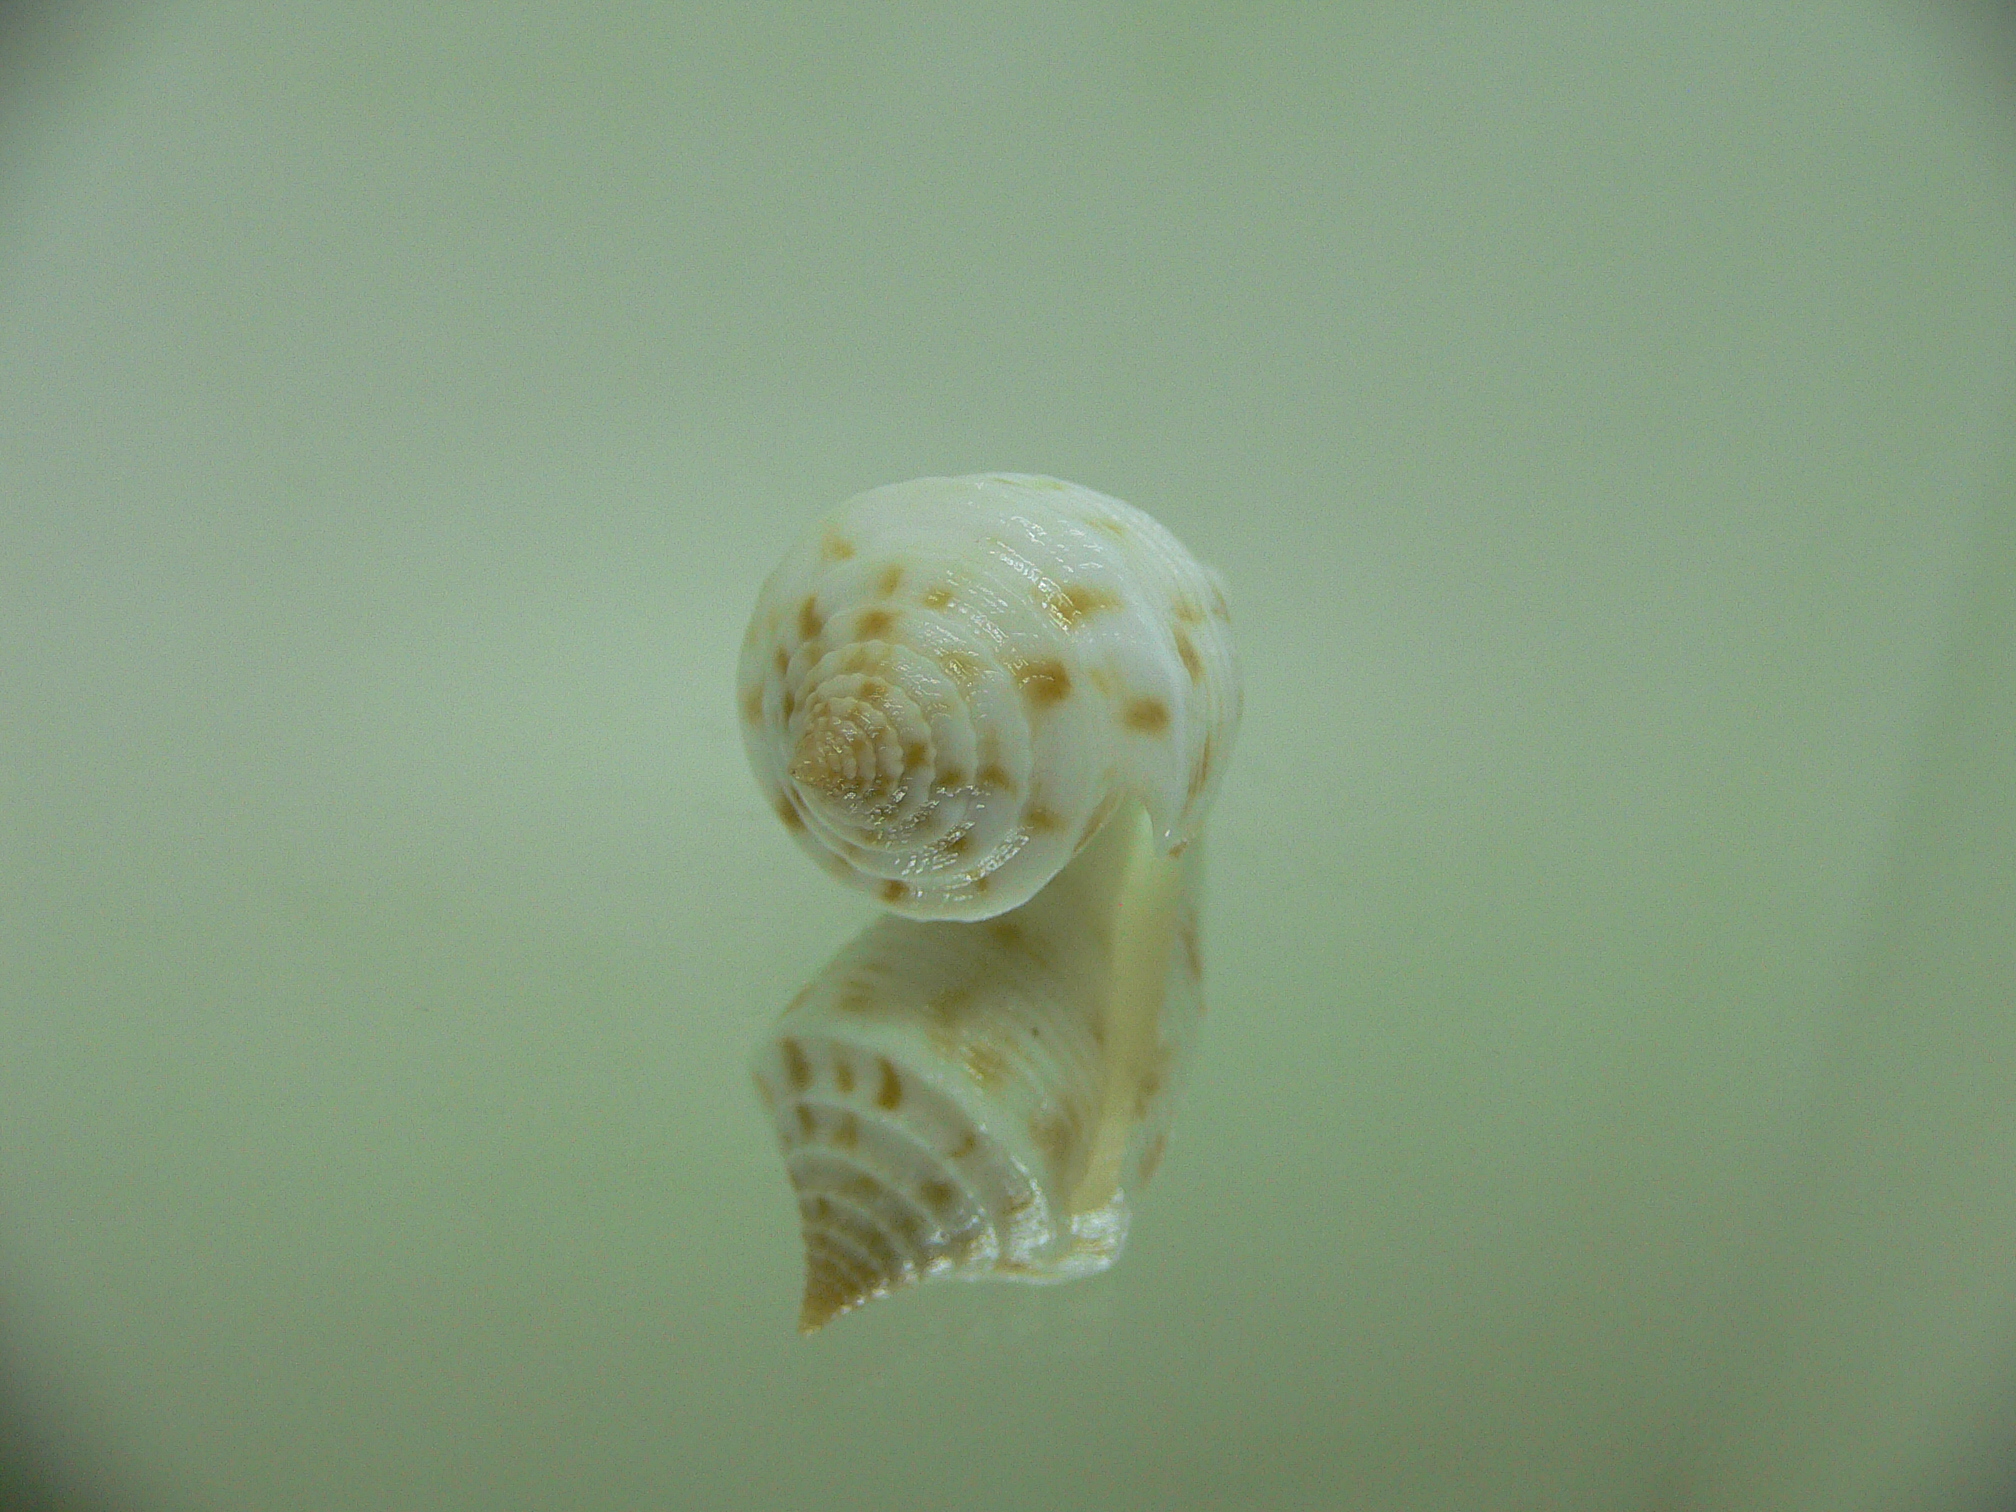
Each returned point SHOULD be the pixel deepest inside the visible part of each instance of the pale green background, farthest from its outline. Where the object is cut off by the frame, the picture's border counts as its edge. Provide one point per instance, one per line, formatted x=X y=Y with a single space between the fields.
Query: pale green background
x=1602 y=415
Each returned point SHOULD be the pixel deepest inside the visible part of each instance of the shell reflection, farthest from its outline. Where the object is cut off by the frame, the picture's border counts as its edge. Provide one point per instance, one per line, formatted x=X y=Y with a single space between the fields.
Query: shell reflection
x=980 y=1100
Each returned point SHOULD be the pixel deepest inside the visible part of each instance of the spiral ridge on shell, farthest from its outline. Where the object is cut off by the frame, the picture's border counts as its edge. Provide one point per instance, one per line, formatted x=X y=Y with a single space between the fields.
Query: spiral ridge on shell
x=948 y=686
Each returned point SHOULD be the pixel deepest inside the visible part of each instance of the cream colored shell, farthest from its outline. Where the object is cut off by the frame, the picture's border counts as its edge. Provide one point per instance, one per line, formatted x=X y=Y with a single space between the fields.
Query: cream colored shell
x=954 y=692
x=980 y=1100
x=949 y=684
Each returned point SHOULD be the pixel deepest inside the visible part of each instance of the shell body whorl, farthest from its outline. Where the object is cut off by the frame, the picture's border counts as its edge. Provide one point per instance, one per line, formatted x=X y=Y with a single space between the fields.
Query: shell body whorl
x=949 y=684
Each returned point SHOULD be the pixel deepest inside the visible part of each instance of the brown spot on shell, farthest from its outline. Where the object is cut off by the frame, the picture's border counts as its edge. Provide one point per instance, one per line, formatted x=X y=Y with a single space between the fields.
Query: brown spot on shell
x=949 y=779
x=855 y=997
x=807 y=1122
x=1192 y=662
x=994 y=775
x=936 y=598
x=843 y=1074
x=938 y=1195
x=980 y=882
x=889 y=579
x=968 y=1143
x=1150 y=716
x=1188 y=612
x=1006 y=933
x=949 y=1000
x=1044 y=682
x=1053 y=1134
x=752 y=705
x=788 y=812
x=796 y=1067
x=783 y=660
x=874 y=624
x=846 y=1131
x=790 y=703
x=889 y=1089
x=915 y=754
x=955 y=845
x=1041 y=820
x=836 y=548
x=1075 y=602
x=1110 y=525
x=1193 y=955
x=1218 y=605
x=894 y=891
x=809 y=621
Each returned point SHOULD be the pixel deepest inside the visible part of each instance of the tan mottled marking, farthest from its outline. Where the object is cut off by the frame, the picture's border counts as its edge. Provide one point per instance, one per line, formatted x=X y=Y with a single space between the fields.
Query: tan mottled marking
x=936 y=598
x=856 y=997
x=843 y=1075
x=790 y=703
x=1006 y=933
x=1074 y=602
x=1218 y=606
x=809 y=622
x=768 y=1097
x=1041 y=820
x=968 y=1143
x=955 y=845
x=889 y=1090
x=796 y=1067
x=752 y=705
x=980 y=882
x=1110 y=525
x=788 y=812
x=1053 y=1134
x=915 y=754
x=894 y=891
x=993 y=775
x=937 y=1195
x=836 y=548
x=1192 y=662
x=806 y=1122
x=875 y=624
x=1193 y=955
x=950 y=778
x=846 y=1132
x=949 y=1000
x=890 y=580
x=1148 y=715
x=1188 y=612
x=1044 y=682
x=783 y=660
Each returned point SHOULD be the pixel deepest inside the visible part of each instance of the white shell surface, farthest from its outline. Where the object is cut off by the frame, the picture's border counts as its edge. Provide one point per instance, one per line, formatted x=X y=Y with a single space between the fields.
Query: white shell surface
x=948 y=684
x=979 y=1100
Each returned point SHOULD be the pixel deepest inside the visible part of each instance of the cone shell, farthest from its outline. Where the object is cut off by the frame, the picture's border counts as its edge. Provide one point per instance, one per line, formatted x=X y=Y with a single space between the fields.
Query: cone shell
x=949 y=684
x=980 y=1100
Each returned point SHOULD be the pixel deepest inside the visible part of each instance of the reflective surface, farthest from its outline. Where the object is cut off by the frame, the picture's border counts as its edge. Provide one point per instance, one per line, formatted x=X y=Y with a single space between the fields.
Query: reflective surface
x=1603 y=423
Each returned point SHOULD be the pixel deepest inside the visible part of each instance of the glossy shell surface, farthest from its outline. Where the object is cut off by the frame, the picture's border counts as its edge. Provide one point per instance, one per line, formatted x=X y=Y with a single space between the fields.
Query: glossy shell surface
x=949 y=684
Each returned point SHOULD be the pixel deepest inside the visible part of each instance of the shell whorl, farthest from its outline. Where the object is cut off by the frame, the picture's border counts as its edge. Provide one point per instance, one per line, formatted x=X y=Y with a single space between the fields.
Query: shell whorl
x=949 y=684
x=978 y=1100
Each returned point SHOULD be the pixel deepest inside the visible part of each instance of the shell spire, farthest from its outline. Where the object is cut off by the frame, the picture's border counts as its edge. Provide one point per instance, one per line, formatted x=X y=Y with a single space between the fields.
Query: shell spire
x=950 y=684
x=1000 y=705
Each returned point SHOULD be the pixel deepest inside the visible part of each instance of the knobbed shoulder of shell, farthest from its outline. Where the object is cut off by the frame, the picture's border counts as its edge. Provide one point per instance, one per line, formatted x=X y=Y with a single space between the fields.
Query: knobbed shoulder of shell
x=1002 y=701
